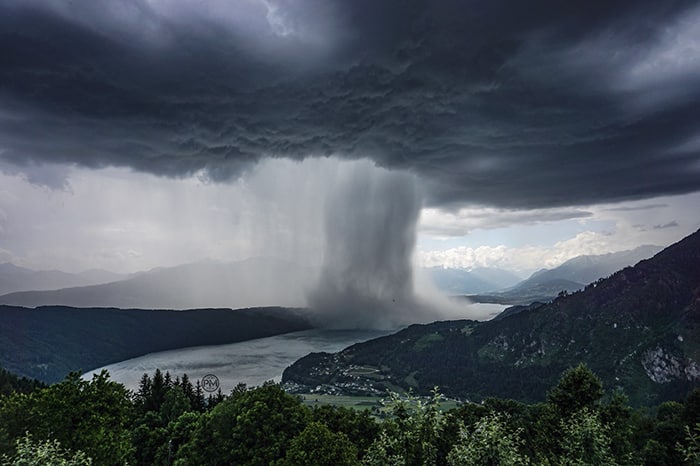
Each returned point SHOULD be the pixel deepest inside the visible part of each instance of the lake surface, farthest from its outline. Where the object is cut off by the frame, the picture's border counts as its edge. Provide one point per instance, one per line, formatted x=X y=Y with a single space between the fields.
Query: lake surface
x=251 y=362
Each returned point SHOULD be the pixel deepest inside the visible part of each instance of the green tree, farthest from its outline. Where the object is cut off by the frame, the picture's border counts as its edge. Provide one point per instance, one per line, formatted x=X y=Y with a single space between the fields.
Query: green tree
x=251 y=427
x=465 y=414
x=44 y=453
x=544 y=433
x=359 y=426
x=411 y=435
x=586 y=441
x=488 y=443
x=175 y=403
x=157 y=434
x=386 y=450
x=578 y=388
x=157 y=393
x=691 y=408
x=617 y=416
x=318 y=446
x=691 y=449
x=664 y=432
x=149 y=436
x=143 y=395
x=198 y=402
x=178 y=433
x=654 y=454
x=195 y=396
x=10 y=383
x=91 y=416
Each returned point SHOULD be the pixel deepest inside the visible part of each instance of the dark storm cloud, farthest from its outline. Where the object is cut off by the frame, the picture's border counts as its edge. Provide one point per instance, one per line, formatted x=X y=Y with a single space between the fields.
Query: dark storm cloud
x=513 y=104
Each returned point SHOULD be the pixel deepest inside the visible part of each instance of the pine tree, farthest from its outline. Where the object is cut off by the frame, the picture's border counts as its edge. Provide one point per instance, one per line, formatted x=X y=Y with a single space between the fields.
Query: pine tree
x=144 y=393
x=198 y=402
x=189 y=391
x=158 y=390
x=167 y=381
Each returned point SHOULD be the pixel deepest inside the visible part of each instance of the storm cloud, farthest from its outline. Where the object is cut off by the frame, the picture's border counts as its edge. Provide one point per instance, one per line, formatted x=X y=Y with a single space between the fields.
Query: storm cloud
x=508 y=104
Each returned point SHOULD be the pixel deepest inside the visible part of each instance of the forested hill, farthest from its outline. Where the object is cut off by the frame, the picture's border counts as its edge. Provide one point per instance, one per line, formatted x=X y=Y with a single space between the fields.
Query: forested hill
x=10 y=383
x=48 y=342
x=639 y=330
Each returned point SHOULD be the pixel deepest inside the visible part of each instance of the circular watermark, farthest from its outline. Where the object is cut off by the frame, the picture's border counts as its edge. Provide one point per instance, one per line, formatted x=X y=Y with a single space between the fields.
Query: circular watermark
x=210 y=383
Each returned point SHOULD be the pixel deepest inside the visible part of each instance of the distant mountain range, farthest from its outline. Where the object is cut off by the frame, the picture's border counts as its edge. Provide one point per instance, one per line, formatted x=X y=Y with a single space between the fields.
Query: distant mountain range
x=248 y=283
x=639 y=330
x=49 y=342
x=477 y=280
x=587 y=269
x=14 y=278
x=271 y=282
x=570 y=276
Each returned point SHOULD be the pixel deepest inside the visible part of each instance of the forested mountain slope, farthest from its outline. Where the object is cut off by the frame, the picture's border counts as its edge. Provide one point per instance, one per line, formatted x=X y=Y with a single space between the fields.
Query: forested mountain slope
x=47 y=343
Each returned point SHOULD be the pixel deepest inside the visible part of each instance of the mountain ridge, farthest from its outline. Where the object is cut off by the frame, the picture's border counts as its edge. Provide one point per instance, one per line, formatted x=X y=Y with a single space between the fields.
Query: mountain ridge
x=14 y=278
x=587 y=268
x=572 y=275
x=248 y=283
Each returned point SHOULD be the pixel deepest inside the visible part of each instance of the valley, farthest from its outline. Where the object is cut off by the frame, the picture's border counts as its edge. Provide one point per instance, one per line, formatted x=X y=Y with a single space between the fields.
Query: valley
x=612 y=325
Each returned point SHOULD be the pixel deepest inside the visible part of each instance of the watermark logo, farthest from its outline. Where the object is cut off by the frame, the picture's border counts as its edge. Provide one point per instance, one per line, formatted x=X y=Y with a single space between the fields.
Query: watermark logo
x=210 y=383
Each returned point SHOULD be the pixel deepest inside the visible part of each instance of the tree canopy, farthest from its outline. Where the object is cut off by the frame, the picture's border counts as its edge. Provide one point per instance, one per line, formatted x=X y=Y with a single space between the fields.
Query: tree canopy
x=168 y=421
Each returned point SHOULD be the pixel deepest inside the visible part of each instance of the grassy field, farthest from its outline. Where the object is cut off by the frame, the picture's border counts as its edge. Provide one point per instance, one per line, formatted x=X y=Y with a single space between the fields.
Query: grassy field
x=355 y=402
x=358 y=402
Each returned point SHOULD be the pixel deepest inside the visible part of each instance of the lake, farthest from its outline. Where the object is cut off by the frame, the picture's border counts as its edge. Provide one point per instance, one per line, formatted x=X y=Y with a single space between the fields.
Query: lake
x=251 y=362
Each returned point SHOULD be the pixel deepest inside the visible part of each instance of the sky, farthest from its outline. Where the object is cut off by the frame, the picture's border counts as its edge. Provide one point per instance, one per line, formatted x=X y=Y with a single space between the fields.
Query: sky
x=143 y=133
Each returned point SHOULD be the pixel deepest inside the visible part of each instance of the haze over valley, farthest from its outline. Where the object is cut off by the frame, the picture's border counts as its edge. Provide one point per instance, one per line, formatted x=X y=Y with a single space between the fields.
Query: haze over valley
x=266 y=282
